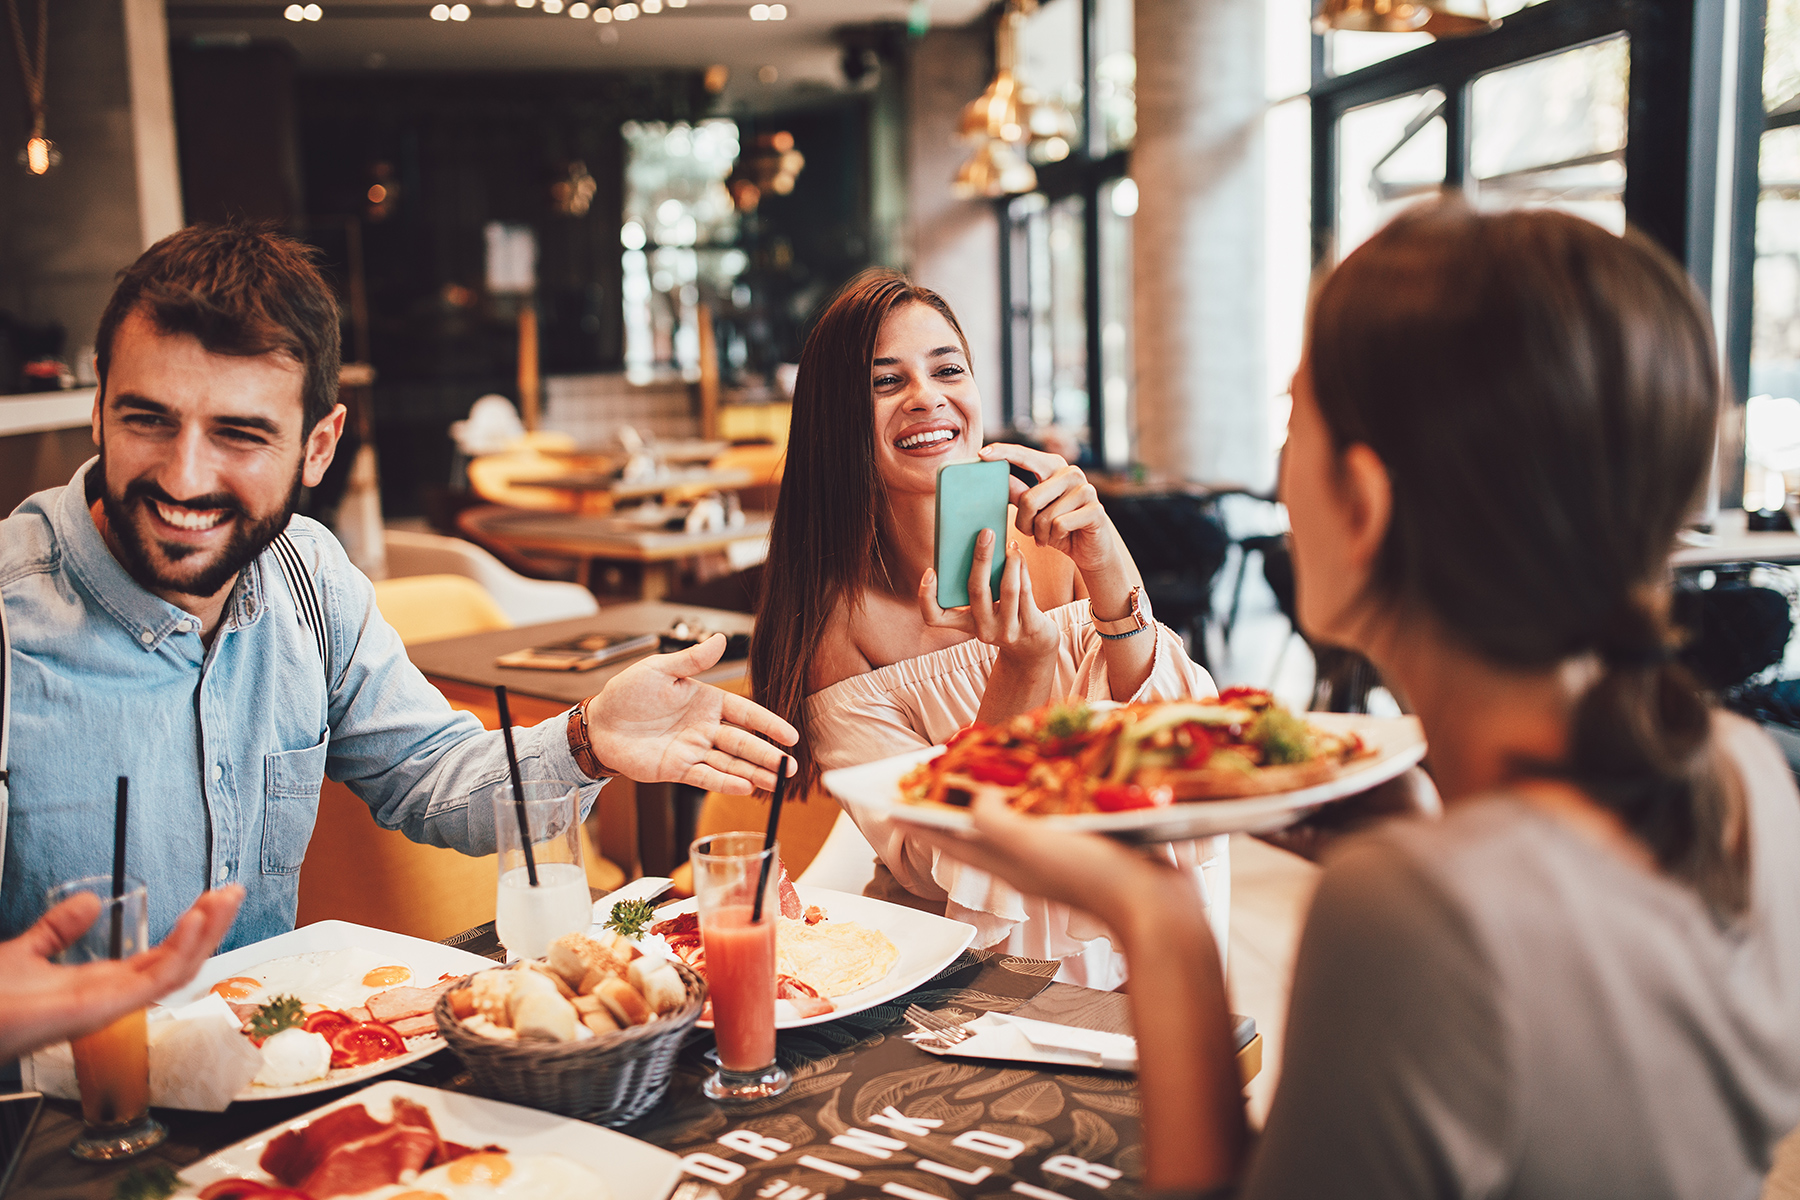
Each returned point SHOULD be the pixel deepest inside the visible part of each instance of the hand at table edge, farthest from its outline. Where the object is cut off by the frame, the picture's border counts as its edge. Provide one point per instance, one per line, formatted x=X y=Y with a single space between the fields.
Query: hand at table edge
x=43 y=1002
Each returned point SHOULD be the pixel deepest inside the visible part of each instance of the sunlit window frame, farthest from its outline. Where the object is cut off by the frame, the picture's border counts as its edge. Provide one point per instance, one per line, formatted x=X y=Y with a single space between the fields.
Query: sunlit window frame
x=1672 y=149
x=1085 y=172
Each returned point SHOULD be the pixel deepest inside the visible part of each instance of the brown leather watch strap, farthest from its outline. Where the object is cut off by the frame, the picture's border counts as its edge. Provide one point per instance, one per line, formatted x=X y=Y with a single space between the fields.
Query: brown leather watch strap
x=581 y=746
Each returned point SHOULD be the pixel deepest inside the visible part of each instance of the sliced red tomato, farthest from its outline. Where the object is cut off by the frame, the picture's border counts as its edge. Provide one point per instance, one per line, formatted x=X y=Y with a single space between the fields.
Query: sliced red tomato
x=1121 y=797
x=1002 y=771
x=370 y=1041
x=1242 y=693
x=1201 y=744
x=327 y=1022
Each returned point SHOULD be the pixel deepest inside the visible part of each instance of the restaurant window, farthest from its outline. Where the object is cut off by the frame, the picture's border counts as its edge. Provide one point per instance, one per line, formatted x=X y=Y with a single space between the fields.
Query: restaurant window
x=1551 y=132
x=1559 y=105
x=1393 y=154
x=1772 y=419
x=1066 y=378
x=676 y=240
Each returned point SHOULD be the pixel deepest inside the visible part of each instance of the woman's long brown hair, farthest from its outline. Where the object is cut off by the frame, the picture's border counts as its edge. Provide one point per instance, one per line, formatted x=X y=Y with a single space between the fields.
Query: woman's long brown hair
x=824 y=548
x=1544 y=395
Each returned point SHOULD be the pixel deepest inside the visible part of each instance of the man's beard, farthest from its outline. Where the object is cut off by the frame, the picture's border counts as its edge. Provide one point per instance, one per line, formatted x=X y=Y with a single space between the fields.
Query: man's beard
x=249 y=539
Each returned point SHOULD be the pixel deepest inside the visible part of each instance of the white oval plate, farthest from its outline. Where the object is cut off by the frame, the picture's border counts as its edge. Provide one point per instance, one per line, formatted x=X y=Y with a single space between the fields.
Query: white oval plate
x=633 y=1169
x=927 y=945
x=1399 y=744
x=428 y=961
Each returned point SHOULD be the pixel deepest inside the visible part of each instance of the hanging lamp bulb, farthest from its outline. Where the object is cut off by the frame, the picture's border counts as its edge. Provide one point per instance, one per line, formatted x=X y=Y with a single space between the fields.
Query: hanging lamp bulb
x=994 y=170
x=1440 y=18
x=998 y=111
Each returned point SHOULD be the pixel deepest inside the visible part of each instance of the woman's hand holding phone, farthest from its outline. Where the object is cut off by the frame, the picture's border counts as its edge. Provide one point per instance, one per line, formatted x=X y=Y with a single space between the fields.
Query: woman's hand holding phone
x=1012 y=621
x=1063 y=511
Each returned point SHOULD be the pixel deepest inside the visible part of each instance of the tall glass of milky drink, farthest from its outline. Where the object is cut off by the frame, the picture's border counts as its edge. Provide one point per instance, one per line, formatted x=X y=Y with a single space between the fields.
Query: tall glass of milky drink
x=528 y=918
x=739 y=940
x=112 y=1065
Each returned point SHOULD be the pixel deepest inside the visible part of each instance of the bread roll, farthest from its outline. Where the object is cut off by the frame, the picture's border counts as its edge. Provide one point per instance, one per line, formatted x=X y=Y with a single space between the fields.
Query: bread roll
x=548 y=972
x=490 y=991
x=572 y=956
x=544 y=1015
x=599 y=975
x=600 y=1022
x=526 y=986
x=659 y=982
x=462 y=1002
x=623 y=1002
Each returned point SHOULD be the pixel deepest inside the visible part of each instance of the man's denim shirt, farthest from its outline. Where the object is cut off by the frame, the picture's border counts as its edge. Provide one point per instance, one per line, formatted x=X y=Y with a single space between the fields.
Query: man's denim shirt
x=226 y=746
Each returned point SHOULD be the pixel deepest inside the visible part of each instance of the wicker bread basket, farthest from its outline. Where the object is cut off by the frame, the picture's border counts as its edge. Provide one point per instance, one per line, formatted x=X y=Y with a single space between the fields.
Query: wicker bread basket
x=610 y=1080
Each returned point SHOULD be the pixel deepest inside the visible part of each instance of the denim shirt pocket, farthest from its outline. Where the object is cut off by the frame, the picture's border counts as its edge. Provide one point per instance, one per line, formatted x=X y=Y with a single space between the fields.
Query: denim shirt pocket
x=292 y=779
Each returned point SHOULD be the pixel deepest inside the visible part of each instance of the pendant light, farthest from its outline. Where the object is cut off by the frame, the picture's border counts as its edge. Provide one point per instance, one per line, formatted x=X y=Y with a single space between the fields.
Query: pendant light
x=1440 y=18
x=40 y=153
x=995 y=170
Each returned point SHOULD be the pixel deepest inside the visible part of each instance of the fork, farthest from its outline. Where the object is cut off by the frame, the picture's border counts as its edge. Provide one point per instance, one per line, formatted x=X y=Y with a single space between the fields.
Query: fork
x=935 y=1026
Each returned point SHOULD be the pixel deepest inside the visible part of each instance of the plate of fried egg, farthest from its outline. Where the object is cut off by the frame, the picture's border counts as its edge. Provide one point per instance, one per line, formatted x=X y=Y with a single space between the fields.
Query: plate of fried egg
x=442 y=1145
x=332 y=1003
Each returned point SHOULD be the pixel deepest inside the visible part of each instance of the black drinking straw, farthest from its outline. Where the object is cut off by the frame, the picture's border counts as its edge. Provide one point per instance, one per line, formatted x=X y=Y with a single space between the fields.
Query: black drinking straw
x=116 y=946
x=512 y=764
x=762 y=876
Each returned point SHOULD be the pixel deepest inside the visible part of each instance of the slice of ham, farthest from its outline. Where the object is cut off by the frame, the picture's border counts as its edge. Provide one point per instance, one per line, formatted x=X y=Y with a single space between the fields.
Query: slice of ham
x=806 y=1000
x=399 y=1003
x=371 y=1162
x=791 y=907
x=294 y=1155
x=357 y=1014
x=412 y=1027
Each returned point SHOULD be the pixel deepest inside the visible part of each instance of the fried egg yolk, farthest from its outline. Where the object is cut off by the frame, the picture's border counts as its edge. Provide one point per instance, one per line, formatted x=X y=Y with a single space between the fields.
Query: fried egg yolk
x=382 y=977
x=489 y=1169
x=237 y=988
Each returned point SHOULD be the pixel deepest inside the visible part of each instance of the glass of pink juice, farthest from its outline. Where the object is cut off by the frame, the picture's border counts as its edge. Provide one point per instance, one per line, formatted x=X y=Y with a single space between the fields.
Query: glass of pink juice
x=730 y=869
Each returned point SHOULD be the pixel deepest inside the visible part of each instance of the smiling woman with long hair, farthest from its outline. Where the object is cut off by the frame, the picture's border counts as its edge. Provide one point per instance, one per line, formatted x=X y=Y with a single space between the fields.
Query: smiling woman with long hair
x=850 y=644
x=1584 y=981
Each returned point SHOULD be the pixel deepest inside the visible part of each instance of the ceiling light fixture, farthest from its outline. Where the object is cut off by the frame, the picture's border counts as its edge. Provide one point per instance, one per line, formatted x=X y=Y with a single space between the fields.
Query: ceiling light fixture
x=294 y=12
x=1440 y=18
x=440 y=12
x=651 y=7
x=459 y=12
x=625 y=12
x=578 y=10
x=553 y=7
x=603 y=14
x=777 y=12
x=759 y=12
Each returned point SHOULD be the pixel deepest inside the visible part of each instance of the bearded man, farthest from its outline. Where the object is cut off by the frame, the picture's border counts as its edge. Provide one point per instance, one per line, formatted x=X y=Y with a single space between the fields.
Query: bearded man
x=173 y=621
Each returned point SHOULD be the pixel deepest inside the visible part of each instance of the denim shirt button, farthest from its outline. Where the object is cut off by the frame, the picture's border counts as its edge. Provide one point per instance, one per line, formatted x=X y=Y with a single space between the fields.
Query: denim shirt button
x=218 y=772
x=146 y=637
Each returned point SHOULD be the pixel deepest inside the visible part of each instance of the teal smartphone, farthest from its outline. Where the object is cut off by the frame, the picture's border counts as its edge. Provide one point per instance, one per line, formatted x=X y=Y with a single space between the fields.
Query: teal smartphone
x=971 y=497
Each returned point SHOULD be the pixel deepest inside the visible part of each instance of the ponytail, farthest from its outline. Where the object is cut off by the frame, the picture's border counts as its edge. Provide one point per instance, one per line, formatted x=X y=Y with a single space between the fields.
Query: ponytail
x=1640 y=743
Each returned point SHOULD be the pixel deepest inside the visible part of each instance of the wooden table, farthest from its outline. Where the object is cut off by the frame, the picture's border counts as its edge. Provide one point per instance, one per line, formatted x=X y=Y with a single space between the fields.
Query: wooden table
x=651 y=553
x=1731 y=542
x=637 y=822
x=837 y=1067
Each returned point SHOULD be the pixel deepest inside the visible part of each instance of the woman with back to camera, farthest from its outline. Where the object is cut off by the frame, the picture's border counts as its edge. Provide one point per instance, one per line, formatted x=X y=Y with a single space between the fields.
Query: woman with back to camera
x=1584 y=981
x=850 y=642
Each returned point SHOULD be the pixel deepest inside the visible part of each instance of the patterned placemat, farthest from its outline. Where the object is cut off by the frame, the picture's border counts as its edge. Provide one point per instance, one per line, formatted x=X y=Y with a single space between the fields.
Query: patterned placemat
x=869 y=1114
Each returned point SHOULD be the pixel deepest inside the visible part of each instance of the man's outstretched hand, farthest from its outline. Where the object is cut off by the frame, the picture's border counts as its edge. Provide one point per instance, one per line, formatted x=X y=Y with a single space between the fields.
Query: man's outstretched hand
x=42 y=1002
x=657 y=724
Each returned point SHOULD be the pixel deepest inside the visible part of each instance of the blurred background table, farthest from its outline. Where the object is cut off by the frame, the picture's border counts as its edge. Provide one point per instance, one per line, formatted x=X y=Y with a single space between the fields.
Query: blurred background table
x=638 y=826
x=649 y=555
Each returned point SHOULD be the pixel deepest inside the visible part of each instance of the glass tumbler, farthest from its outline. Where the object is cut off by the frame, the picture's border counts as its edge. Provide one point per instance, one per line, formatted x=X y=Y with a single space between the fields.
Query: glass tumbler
x=740 y=962
x=526 y=918
x=112 y=1065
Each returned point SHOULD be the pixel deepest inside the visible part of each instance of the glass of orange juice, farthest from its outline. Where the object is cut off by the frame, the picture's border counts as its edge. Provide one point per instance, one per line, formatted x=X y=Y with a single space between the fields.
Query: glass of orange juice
x=729 y=869
x=112 y=1065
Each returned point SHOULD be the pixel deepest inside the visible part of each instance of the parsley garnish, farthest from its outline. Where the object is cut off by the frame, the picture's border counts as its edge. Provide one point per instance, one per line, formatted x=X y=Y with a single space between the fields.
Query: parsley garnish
x=1067 y=720
x=631 y=917
x=1283 y=737
x=283 y=1012
x=147 y=1183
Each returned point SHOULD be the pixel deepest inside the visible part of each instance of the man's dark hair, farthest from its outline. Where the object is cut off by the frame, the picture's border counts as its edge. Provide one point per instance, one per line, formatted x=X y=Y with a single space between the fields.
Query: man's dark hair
x=241 y=290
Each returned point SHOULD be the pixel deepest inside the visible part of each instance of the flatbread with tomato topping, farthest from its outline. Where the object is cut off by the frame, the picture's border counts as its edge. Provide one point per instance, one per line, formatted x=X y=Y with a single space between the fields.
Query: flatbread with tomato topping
x=1073 y=759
